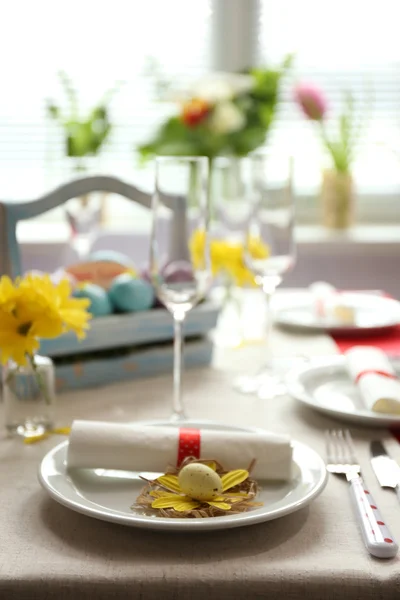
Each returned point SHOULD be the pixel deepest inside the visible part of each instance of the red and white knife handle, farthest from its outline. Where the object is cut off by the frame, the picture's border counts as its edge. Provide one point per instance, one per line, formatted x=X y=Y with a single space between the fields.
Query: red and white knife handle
x=376 y=535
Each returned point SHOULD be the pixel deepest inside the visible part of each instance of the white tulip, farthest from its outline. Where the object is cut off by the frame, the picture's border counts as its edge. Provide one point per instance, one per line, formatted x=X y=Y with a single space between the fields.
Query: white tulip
x=218 y=87
x=226 y=118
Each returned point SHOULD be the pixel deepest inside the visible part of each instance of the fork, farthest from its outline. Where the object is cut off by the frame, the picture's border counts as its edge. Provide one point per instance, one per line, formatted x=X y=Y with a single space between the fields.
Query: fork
x=341 y=460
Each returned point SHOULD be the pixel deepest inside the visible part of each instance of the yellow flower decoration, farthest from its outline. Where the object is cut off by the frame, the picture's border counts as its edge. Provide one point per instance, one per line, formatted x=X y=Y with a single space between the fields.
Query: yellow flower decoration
x=34 y=307
x=176 y=499
x=16 y=341
x=228 y=257
x=8 y=294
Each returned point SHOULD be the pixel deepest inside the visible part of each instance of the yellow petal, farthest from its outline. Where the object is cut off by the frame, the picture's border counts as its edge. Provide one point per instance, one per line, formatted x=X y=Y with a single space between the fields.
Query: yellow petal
x=170 y=482
x=156 y=494
x=211 y=464
x=221 y=505
x=169 y=495
x=186 y=505
x=36 y=438
x=179 y=503
x=233 y=478
x=62 y=430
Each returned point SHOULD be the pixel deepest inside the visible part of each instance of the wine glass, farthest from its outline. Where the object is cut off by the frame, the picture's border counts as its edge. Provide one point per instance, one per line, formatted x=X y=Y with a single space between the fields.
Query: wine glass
x=270 y=250
x=179 y=250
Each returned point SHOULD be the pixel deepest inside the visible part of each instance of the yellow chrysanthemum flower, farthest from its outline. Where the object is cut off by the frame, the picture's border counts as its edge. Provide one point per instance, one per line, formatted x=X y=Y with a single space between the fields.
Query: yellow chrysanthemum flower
x=34 y=307
x=16 y=339
x=227 y=257
x=64 y=312
x=8 y=294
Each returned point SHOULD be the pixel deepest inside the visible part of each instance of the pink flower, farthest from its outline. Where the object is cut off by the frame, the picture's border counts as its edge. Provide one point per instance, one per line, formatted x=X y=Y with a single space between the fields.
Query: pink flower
x=311 y=100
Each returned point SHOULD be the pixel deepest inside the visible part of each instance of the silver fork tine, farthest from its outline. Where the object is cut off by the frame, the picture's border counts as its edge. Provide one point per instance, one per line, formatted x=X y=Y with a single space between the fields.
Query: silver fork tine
x=342 y=454
x=330 y=454
x=328 y=446
x=350 y=446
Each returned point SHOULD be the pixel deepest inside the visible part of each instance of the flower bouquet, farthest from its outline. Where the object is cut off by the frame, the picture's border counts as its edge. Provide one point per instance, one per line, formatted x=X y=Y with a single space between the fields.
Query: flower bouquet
x=32 y=308
x=223 y=114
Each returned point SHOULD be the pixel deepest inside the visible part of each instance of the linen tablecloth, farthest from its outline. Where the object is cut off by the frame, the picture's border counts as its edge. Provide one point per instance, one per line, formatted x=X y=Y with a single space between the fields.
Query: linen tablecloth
x=49 y=552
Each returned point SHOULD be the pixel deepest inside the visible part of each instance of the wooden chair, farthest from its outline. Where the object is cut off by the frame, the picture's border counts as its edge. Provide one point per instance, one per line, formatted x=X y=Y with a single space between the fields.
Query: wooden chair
x=12 y=212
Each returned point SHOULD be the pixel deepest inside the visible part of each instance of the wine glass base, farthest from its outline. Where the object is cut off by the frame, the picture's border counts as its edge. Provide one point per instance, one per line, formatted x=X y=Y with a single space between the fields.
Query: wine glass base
x=268 y=382
x=266 y=385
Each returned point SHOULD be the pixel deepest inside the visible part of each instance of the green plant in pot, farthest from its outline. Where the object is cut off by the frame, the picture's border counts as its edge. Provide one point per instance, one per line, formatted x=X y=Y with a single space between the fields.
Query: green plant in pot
x=84 y=135
x=84 y=138
x=337 y=190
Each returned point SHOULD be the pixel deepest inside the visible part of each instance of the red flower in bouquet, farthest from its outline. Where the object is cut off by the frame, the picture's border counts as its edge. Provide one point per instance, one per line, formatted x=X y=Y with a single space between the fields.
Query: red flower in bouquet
x=195 y=111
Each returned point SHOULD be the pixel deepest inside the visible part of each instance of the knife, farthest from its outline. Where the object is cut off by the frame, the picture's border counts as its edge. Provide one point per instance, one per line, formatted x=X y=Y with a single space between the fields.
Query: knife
x=386 y=469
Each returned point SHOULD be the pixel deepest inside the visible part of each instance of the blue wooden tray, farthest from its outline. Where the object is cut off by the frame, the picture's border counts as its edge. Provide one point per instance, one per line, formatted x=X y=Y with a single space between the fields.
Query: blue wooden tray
x=117 y=346
x=116 y=331
x=142 y=362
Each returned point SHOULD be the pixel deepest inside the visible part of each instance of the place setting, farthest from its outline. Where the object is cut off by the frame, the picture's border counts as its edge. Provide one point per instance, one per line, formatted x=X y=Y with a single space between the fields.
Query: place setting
x=180 y=474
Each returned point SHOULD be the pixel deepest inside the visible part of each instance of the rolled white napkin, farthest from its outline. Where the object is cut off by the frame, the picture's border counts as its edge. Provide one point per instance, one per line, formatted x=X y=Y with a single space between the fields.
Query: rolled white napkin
x=330 y=304
x=375 y=377
x=93 y=444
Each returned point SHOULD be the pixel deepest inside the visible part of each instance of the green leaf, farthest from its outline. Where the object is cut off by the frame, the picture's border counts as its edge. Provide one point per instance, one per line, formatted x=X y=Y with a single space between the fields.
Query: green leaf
x=53 y=111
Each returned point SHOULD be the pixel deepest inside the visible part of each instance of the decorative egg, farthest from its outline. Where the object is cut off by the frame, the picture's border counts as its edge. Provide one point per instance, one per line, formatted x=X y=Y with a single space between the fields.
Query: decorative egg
x=61 y=274
x=113 y=256
x=100 y=304
x=200 y=482
x=179 y=271
x=128 y=294
x=145 y=275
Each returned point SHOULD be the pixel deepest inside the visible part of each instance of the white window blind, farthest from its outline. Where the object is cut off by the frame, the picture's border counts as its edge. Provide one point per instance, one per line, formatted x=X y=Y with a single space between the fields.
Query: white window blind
x=342 y=45
x=96 y=44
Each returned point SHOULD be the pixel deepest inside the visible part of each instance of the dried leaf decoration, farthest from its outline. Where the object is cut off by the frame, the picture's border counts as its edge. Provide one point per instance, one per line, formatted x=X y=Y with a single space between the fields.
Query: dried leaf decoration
x=165 y=496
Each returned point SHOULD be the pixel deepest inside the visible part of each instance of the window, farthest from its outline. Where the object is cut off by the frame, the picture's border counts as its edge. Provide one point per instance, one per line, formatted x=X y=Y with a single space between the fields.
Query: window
x=96 y=44
x=340 y=46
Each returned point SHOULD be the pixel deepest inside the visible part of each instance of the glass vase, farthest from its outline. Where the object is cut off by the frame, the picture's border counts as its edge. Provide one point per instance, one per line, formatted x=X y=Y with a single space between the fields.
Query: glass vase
x=86 y=214
x=229 y=332
x=29 y=397
x=337 y=196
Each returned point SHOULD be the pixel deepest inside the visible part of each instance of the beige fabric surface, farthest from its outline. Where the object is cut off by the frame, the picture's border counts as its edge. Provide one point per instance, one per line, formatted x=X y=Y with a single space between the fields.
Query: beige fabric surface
x=48 y=551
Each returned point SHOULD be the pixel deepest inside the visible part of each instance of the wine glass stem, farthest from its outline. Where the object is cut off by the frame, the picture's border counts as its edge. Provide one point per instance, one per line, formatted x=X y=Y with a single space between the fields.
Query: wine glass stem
x=268 y=293
x=178 y=410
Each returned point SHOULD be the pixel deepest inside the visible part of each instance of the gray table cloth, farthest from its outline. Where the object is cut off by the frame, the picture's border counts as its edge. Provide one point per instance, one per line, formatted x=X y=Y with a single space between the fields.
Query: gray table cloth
x=50 y=552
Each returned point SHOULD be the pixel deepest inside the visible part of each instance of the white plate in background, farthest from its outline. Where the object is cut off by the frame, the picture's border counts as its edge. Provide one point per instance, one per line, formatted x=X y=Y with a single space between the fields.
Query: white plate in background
x=373 y=314
x=324 y=385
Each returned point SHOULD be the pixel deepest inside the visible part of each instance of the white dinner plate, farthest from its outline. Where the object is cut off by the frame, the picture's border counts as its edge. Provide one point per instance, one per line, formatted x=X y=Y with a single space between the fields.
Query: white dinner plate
x=108 y=495
x=373 y=313
x=324 y=385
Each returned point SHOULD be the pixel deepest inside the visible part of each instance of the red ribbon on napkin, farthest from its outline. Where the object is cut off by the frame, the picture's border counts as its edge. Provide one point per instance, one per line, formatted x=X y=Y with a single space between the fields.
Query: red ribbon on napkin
x=374 y=372
x=189 y=444
x=389 y=342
